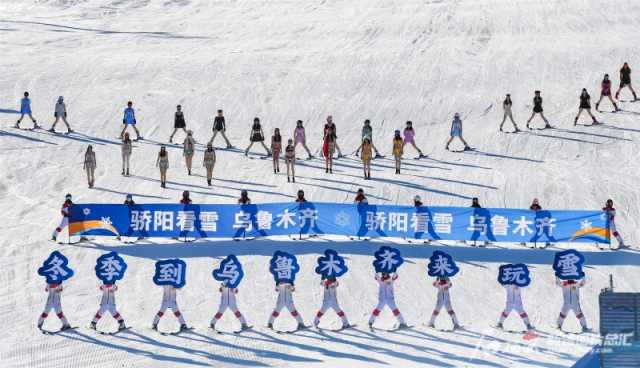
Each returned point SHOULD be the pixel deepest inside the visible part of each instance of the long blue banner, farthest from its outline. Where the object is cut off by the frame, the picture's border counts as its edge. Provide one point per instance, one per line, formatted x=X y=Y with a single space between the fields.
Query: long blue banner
x=258 y=220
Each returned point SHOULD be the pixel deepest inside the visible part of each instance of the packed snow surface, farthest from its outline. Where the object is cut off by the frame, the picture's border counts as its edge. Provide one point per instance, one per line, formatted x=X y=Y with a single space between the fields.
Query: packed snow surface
x=388 y=61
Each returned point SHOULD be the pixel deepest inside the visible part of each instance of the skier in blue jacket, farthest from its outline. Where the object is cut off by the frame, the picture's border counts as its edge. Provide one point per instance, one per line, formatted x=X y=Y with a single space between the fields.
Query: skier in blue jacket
x=25 y=109
x=456 y=131
x=129 y=119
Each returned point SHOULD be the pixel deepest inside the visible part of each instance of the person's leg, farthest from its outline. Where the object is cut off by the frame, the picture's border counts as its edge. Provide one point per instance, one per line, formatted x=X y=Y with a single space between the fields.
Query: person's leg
x=579 y=315
x=123 y=130
x=276 y=311
x=265 y=147
x=224 y=135
x=416 y=147
x=221 y=309
x=452 y=314
x=396 y=312
x=513 y=121
x=525 y=317
x=156 y=319
x=172 y=134
x=137 y=131
x=293 y=171
x=58 y=230
x=57 y=307
x=19 y=121
x=615 y=105
x=64 y=120
x=504 y=118
x=44 y=314
x=531 y=118
x=545 y=119
x=463 y=141
x=593 y=118
x=600 y=100
x=323 y=309
x=448 y=143
x=575 y=120
x=53 y=127
x=505 y=313
x=304 y=144
x=376 y=311
x=563 y=314
x=635 y=97
x=215 y=132
x=436 y=309
x=246 y=152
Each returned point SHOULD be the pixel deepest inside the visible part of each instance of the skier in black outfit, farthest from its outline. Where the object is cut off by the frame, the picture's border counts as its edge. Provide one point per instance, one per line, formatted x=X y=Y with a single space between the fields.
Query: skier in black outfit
x=178 y=123
x=300 y=198
x=585 y=104
x=475 y=203
x=244 y=197
x=129 y=200
x=537 y=109
x=625 y=80
x=220 y=126
x=257 y=135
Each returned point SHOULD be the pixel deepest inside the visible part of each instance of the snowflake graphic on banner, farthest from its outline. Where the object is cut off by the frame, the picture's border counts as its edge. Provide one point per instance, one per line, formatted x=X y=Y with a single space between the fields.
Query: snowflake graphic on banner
x=284 y=267
x=170 y=272
x=514 y=274
x=568 y=265
x=55 y=268
x=110 y=268
x=387 y=259
x=342 y=219
x=441 y=264
x=230 y=272
x=331 y=264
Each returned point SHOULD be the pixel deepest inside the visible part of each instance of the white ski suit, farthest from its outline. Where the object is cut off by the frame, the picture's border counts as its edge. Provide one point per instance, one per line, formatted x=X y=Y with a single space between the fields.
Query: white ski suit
x=571 y=300
x=228 y=300
x=330 y=301
x=108 y=303
x=169 y=302
x=53 y=304
x=514 y=302
x=285 y=300
x=443 y=300
x=386 y=297
x=611 y=212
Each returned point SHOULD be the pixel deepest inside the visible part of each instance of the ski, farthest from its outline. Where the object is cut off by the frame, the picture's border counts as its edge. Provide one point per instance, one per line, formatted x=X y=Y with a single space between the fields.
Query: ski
x=49 y=332
x=342 y=328
x=303 y=328
x=107 y=333
x=176 y=333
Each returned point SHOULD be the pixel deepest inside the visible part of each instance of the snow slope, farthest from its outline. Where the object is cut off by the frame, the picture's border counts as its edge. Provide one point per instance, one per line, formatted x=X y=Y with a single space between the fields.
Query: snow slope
x=389 y=61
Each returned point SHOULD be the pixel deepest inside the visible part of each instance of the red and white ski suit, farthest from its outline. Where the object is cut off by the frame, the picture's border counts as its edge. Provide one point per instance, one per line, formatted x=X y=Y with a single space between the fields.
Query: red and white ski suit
x=611 y=213
x=386 y=297
x=514 y=302
x=571 y=300
x=330 y=301
x=228 y=301
x=108 y=303
x=443 y=300
x=169 y=302
x=285 y=300
x=53 y=304
x=65 y=219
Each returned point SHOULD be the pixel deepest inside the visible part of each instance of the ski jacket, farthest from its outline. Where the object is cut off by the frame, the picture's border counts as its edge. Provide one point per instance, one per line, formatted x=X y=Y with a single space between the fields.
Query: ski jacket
x=65 y=208
x=585 y=101
x=625 y=75
x=178 y=121
x=385 y=286
x=108 y=294
x=25 y=105
x=129 y=116
x=219 y=123
x=367 y=132
x=456 y=126
x=537 y=104
x=611 y=213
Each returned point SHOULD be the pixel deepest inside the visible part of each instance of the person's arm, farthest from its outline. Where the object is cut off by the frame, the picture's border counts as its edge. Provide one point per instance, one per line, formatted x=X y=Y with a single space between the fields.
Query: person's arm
x=158 y=161
x=84 y=164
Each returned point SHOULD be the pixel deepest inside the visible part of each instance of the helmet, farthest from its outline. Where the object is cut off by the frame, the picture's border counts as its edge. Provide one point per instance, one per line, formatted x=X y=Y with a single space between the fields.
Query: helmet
x=456 y=115
x=300 y=192
x=185 y=193
x=417 y=198
x=68 y=196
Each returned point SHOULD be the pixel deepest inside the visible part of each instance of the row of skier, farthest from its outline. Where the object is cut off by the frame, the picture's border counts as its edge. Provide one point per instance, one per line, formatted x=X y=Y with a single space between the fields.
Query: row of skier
x=359 y=199
x=285 y=300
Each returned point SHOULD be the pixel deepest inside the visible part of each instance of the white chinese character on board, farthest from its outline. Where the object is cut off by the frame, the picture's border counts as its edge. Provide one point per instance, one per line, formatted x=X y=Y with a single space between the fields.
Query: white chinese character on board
x=522 y=226
x=170 y=272
x=209 y=221
x=163 y=220
x=567 y=264
x=499 y=225
x=286 y=219
x=264 y=220
x=243 y=221
x=375 y=220
x=110 y=268
x=308 y=216
x=398 y=221
x=478 y=223
x=420 y=222
x=284 y=267
x=442 y=222
x=186 y=220
x=545 y=225
x=140 y=220
x=441 y=266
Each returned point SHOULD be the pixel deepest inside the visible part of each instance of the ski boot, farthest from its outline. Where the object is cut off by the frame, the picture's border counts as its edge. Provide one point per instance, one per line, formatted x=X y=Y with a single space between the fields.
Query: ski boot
x=183 y=327
x=499 y=326
x=93 y=325
x=65 y=327
x=123 y=172
x=121 y=326
x=244 y=327
x=127 y=172
x=402 y=325
x=154 y=327
x=456 y=326
x=575 y=122
x=270 y=326
x=615 y=106
x=209 y=182
x=51 y=130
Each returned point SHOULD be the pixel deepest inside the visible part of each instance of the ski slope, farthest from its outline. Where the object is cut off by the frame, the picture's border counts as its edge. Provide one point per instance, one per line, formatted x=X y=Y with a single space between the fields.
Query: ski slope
x=388 y=61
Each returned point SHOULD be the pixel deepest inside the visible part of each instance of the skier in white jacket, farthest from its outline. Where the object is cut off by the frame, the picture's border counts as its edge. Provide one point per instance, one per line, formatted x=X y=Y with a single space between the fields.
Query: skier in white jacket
x=386 y=297
x=514 y=302
x=54 y=303
x=285 y=300
x=228 y=301
x=169 y=302
x=443 y=284
x=571 y=301
x=330 y=301
x=60 y=112
x=108 y=304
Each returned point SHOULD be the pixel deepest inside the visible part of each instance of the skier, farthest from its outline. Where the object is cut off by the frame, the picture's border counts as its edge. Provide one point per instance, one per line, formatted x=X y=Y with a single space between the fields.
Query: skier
x=571 y=301
x=257 y=135
x=60 y=112
x=90 y=165
x=328 y=148
x=300 y=197
x=25 y=109
x=301 y=138
x=209 y=161
x=54 y=303
x=129 y=119
x=290 y=160
x=330 y=301
x=611 y=213
x=443 y=284
x=65 y=217
x=178 y=123
x=220 y=126
x=169 y=302
x=228 y=300
x=456 y=131
x=386 y=297
x=409 y=138
x=185 y=198
x=506 y=106
x=537 y=109
x=127 y=149
x=535 y=207
x=129 y=200
x=162 y=162
x=367 y=132
x=475 y=203
x=285 y=300
x=605 y=91
x=108 y=304
x=625 y=81
x=244 y=197
x=585 y=104
x=188 y=150
x=360 y=197
x=331 y=125
x=514 y=302
x=398 y=148
x=276 y=147
x=417 y=201
x=366 y=148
